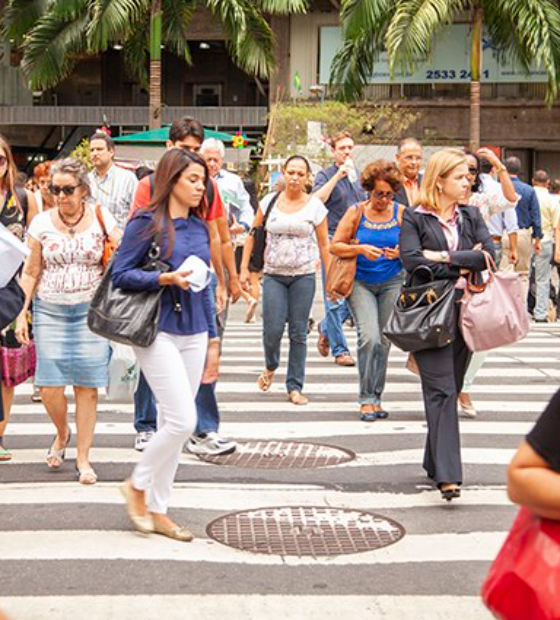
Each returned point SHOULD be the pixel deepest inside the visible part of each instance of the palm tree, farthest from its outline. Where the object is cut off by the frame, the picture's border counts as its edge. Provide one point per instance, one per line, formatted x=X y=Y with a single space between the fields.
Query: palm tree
x=529 y=30
x=53 y=34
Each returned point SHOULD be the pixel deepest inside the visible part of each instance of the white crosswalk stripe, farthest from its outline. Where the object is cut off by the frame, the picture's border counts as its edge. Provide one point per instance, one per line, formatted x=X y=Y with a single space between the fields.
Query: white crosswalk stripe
x=80 y=537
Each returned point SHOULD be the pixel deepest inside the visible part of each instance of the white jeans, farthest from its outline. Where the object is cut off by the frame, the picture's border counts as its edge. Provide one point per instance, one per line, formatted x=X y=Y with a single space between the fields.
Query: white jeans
x=173 y=366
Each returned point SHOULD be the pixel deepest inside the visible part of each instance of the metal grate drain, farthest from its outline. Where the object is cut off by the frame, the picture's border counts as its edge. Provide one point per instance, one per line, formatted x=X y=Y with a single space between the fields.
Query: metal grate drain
x=305 y=531
x=282 y=455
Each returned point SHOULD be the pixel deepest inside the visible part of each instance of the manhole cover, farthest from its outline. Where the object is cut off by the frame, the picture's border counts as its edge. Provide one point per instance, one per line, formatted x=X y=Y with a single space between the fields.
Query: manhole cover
x=282 y=455
x=305 y=531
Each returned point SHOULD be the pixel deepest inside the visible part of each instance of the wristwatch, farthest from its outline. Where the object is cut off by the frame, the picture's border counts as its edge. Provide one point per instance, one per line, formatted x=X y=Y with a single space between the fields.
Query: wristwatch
x=445 y=256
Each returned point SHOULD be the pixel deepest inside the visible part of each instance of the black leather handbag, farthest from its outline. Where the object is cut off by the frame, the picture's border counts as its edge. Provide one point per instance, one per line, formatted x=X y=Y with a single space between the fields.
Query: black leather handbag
x=125 y=316
x=256 y=262
x=12 y=299
x=424 y=314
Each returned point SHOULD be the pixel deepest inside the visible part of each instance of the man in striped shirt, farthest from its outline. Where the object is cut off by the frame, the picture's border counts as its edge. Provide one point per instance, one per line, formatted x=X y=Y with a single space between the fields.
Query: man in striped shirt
x=111 y=187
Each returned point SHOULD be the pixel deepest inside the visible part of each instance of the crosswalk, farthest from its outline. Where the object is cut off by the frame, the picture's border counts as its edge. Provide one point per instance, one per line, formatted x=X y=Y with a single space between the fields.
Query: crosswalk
x=68 y=551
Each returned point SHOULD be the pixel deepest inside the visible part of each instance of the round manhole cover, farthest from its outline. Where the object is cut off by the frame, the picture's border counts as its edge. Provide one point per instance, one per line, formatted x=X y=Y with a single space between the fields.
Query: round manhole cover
x=282 y=455
x=305 y=531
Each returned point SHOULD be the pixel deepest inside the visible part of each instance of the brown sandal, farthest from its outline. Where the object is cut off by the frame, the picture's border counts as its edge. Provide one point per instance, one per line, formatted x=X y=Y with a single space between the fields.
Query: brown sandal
x=265 y=380
x=297 y=398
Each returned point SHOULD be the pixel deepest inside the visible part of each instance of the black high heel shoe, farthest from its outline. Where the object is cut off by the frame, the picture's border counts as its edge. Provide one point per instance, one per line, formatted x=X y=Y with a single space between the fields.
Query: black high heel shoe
x=449 y=494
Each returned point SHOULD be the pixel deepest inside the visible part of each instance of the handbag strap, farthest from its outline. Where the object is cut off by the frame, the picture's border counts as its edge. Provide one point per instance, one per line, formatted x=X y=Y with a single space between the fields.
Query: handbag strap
x=99 y=216
x=360 y=211
x=474 y=287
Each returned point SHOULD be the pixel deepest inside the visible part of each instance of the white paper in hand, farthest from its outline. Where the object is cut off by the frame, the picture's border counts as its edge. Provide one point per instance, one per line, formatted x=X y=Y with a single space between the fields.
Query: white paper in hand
x=200 y=276
x=12 y=255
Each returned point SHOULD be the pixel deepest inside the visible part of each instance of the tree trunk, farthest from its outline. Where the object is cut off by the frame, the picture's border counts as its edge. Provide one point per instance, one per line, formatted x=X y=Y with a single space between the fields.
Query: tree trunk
x=155 y=65
x=476 y=73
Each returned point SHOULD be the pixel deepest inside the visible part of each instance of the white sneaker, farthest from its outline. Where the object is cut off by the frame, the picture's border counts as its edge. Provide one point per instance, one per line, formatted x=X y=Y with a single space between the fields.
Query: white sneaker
x=142 y=440
x=210 y=445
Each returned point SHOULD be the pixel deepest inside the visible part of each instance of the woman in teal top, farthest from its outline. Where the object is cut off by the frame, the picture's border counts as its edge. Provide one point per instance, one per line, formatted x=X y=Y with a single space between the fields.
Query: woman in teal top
x=379 y=275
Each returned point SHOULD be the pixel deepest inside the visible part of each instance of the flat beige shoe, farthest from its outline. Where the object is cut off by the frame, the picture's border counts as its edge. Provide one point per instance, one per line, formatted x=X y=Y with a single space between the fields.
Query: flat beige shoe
x=176 y=533
x=297 y=398
x=142 y=523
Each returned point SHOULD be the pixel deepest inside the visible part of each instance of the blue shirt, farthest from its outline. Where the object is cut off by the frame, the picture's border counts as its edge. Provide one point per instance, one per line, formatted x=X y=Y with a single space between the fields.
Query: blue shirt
x=191 y=237
x=344 y=195
x=381 y=235
x=528 y=211
x=503 y=221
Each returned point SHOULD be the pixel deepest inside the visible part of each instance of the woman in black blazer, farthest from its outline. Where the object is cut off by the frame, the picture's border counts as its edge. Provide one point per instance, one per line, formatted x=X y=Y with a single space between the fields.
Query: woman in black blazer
x=448 y=237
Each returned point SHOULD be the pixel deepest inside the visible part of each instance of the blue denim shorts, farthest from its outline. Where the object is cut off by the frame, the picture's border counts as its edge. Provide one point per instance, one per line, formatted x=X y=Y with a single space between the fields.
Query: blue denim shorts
x=68 y=353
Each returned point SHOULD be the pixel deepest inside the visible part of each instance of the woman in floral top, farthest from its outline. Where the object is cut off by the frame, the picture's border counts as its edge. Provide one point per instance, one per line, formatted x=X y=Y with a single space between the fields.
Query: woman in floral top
x=296 y=236
x=17 y=208
x=490 y=200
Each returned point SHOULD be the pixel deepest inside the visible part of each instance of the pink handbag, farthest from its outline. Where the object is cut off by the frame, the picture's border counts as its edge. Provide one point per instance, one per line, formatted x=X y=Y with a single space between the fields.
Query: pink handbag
x=18 y=365
x=494 y=314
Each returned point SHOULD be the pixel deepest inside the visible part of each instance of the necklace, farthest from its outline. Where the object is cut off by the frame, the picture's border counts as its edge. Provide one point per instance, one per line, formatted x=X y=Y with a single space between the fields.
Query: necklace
x=71 y=225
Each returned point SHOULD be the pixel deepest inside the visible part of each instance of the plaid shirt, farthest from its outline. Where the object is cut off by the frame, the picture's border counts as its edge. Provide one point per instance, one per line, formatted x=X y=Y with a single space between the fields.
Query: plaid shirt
x=115 y=192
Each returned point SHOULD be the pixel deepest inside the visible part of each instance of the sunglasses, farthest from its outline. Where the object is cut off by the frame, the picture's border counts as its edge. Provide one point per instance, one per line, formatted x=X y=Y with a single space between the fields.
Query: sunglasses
x=3 y=160
x=473 y=170
x=383 y=195
x=67 y=190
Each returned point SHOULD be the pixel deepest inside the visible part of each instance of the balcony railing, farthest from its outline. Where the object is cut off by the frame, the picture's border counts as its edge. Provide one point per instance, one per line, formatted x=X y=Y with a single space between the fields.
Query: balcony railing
x=72 y=116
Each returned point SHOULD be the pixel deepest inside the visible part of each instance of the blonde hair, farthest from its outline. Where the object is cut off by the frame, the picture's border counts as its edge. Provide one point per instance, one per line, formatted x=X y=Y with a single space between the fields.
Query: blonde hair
x=439 y=166
x=9 y=180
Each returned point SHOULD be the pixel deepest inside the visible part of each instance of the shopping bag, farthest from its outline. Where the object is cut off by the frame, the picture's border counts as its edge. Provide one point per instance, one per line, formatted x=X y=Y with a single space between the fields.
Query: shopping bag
x=524 y=581
x=18 y=364
x=123 y=373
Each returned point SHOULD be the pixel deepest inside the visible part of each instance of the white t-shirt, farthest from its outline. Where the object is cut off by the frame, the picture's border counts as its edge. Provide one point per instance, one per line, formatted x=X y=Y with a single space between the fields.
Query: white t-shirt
x=291 y=244
x=72 y=266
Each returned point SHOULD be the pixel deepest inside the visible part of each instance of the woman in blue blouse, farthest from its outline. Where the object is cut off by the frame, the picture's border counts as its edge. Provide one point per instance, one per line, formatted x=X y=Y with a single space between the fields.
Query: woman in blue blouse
x=187 y=341
x=379 y=275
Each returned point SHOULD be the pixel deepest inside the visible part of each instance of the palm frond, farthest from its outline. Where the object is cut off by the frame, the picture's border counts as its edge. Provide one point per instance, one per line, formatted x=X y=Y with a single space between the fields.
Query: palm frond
x=136 y=51
x=112 y=20
x=249 y=38
x=20 y=16
x=530 y=32
x=414 y=27
x=364 y=24
x=283 y=7
x=50 y=49
x=177 y=15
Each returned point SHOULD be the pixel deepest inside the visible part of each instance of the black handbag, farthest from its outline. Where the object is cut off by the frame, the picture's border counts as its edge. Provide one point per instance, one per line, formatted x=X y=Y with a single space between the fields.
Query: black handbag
x=12 y=299
x=256 y=262
x=424 y=314
x=125 y=316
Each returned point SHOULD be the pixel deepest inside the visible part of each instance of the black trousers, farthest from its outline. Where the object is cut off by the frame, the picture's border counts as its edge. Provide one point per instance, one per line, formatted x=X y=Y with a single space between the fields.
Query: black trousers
x=442 y=372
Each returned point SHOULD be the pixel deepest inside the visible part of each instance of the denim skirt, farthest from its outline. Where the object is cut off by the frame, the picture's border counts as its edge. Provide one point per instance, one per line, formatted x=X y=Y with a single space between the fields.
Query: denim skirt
x=68 y=353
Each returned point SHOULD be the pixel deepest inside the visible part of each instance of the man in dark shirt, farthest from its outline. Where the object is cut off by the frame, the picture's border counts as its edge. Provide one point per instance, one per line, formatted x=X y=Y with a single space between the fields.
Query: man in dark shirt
x=338 y=187
x=528 y=219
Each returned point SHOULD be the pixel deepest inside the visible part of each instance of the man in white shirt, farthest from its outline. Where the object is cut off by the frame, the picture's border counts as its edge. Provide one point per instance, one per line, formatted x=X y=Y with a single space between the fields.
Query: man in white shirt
x=550 y=212
x=111 y=187
x=235 y=197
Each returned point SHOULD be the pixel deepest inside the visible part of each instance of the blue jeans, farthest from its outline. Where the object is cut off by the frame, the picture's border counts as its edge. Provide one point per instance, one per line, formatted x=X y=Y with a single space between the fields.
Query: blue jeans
x=336 y=314
x=371 y=305
x=208 y=414
x=543 y=271
x=287 y=299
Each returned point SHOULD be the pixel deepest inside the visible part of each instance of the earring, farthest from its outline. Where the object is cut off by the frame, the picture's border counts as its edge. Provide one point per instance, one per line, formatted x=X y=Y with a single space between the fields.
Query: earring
x=439 y=189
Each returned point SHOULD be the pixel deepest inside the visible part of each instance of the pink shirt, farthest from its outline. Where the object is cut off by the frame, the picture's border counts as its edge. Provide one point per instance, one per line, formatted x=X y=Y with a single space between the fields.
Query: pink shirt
x=450 y=227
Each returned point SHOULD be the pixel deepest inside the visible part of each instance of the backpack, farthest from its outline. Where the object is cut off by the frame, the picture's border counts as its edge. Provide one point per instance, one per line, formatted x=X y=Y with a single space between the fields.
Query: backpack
x=209 y=189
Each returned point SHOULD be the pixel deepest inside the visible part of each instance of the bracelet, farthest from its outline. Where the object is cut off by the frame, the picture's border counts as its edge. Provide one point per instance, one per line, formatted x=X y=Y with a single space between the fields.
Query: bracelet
x=501 y=168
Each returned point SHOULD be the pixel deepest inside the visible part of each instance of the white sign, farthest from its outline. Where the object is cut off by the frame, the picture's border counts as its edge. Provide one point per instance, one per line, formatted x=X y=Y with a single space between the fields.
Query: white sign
x=448 y=63
x=12 y=255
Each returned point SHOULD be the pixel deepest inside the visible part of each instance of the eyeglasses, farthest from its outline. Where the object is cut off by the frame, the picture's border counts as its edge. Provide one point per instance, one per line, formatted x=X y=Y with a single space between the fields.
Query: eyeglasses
x=67 y=190
x=473 y=170
x=383 y=195
x=3 y=160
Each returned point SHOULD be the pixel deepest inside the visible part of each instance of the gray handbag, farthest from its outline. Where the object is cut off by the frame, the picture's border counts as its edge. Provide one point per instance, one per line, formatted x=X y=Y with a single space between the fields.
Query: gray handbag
x=126 y=316
x=424 y=314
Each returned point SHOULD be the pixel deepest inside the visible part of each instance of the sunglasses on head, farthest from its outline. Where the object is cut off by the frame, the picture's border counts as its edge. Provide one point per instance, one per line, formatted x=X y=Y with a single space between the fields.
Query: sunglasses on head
x=3 y=160
x=473 y=170
x=67 y=190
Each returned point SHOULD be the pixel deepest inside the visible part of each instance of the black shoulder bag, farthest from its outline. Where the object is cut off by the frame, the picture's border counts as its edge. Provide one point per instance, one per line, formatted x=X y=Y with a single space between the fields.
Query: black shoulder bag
x=12 y=299
x=256 y=262
x=125 y=316
x=424 y=314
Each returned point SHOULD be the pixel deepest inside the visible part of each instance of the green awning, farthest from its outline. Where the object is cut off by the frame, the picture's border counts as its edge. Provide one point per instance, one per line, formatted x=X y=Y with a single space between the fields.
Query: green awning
x=158 y=136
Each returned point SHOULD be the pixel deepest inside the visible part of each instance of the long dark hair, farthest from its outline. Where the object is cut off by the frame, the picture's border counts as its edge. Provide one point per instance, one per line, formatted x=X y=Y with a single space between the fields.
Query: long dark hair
x=168 y=171
x=477 y=181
